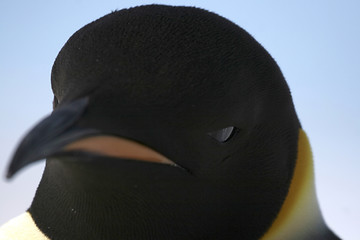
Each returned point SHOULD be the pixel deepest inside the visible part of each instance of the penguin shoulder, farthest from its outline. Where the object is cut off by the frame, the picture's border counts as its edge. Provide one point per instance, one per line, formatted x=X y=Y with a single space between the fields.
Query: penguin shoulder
x=21 y=227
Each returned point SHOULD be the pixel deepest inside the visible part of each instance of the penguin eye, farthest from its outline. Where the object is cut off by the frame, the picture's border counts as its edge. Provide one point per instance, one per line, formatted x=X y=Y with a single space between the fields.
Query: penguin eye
x=223 y=135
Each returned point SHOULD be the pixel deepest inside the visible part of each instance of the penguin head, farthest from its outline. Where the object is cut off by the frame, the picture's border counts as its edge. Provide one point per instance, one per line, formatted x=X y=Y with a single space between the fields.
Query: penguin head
x=186 y=83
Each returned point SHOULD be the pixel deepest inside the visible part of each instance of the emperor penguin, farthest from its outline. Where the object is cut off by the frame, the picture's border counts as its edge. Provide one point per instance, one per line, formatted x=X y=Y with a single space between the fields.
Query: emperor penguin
x=168 y=123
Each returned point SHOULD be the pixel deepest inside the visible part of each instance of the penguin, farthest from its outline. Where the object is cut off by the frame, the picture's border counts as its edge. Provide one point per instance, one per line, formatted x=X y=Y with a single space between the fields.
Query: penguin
x=168 y=123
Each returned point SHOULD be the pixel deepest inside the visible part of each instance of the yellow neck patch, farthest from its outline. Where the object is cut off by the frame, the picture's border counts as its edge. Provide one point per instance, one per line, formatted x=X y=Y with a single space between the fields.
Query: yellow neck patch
x=300 y=212
x=21 y=228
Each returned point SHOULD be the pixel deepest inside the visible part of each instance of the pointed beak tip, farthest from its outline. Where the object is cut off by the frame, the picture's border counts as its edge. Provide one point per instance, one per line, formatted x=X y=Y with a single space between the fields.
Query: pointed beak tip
x=9 y=175
x=50 y=135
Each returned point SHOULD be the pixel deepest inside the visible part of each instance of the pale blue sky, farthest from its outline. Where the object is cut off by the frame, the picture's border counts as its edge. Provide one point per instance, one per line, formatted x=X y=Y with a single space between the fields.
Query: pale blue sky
x=316 y=44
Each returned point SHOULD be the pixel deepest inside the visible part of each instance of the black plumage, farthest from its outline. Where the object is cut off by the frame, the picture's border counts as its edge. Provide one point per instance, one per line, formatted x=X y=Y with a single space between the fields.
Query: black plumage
x=167 y=77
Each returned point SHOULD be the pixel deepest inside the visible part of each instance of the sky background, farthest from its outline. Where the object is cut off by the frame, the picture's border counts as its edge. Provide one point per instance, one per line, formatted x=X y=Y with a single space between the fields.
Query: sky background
x=315 y=43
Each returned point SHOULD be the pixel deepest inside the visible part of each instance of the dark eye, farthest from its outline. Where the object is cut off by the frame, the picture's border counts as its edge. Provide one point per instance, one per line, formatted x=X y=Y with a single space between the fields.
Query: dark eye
x=223 y=135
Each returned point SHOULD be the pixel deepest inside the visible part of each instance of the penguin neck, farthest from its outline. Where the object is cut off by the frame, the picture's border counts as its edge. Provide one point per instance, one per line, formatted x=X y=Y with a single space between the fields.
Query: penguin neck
x=82 y=196
x=300 y=216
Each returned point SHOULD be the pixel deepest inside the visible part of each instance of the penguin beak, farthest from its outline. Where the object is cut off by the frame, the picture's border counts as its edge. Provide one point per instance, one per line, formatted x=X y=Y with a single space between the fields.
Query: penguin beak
x=50 y=135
